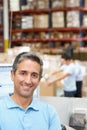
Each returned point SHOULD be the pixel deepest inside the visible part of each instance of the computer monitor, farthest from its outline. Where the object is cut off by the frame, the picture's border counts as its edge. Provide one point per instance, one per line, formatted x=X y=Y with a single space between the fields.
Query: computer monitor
x=6 y=84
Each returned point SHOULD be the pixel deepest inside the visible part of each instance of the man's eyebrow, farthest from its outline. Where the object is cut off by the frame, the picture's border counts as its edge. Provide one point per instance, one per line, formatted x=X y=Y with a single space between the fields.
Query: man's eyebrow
x=35 y=73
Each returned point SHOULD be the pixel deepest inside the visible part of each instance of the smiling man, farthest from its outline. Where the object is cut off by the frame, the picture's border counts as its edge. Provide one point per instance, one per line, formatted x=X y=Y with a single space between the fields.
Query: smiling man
x=21 y=111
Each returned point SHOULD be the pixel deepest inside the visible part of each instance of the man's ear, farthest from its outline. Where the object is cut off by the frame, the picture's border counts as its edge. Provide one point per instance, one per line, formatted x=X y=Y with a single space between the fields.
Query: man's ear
x=40 y=78
x=12 y=75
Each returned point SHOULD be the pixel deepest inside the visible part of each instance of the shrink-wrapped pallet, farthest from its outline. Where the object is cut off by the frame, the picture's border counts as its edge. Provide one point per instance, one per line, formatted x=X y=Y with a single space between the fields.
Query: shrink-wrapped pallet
x=27 y=22
x=85 y=20
x=85 y=3
x=14 y=5
x=72 y=19
x=58 y=19
x=72 y=3
x=41 y=21
x=57 y=3
x=42 y=4
x=38 y=4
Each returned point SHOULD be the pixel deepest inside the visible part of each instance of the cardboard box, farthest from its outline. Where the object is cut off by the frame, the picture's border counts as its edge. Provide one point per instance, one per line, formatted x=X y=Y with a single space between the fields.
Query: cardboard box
x=47 y=90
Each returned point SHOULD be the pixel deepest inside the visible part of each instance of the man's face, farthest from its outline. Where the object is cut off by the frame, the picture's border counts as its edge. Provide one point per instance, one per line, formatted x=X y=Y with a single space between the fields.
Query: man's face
x=26 y=78
x=63 y=61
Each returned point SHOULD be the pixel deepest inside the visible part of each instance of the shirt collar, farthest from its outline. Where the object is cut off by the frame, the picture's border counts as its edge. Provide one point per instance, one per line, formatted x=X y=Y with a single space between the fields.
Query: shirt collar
x=11 y=104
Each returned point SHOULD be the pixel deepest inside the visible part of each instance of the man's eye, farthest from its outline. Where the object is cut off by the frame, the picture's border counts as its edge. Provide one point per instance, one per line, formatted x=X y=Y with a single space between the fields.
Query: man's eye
x=35 y=75
x=22 y=73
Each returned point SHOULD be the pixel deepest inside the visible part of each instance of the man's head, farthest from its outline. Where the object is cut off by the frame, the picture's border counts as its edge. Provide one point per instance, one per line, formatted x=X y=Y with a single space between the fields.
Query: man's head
x=27 y=55
x=66 y=59
x=26 y=74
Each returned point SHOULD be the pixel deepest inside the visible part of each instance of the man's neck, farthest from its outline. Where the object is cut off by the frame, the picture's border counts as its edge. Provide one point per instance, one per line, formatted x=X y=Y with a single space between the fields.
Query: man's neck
x=22 y=101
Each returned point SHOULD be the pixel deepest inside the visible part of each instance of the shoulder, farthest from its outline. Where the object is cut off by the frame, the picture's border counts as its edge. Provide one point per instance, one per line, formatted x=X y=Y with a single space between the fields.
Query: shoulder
x=71 y=66
x=47 y=108
x=2 y=104
x=44 y=104
x=4 y=101
x=50 y=115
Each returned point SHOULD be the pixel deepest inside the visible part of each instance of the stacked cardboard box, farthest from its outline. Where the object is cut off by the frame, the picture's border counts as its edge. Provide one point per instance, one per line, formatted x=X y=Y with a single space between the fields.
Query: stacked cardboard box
x=72 y=3
x=57 y=3
x=85 y=20
x=13 y=4
x=58 y=19
x=72 y=19
x=41 y=21
x=27 y=22
x=85 y=3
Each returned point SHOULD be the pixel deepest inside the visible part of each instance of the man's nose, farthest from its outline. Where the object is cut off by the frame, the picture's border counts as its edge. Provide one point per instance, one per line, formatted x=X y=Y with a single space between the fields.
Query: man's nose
x=28 y=78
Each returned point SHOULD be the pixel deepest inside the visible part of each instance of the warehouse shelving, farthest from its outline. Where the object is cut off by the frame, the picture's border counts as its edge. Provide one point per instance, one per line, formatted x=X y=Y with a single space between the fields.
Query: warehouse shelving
x=1 y=27
x=50 y=29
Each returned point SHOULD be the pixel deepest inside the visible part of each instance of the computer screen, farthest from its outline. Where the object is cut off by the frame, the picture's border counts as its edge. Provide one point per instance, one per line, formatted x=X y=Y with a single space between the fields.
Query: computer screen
x=6 y=84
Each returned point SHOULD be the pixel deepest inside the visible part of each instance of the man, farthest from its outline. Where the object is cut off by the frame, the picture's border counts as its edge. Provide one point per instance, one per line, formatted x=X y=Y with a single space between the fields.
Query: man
x=67 y=76
x=69 y=49
x=79 y=79
x=21 y=111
